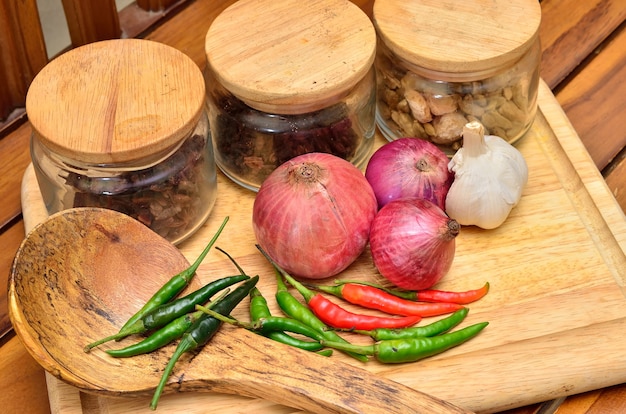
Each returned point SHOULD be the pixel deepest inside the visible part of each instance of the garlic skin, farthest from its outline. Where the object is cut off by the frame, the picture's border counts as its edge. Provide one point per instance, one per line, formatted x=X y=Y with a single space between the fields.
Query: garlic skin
x=490 y=175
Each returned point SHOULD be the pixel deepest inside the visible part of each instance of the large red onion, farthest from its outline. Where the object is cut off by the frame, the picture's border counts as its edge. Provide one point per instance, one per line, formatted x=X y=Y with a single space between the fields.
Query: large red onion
x=413 y=243
x=409 y=167
x=312 y=215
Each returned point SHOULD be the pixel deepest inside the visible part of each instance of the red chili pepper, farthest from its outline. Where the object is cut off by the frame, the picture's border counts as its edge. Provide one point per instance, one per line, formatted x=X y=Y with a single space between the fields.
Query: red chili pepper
x=428 y=295
x=374 y=298
x=432 y=295
x=334 y=315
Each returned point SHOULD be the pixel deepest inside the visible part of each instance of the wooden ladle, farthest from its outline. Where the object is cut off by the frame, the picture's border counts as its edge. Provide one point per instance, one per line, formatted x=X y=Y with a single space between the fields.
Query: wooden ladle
x=82 y=272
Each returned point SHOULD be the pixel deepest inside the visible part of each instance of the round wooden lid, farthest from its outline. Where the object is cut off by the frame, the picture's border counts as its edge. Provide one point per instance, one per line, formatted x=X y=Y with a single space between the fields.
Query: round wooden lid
x=290 y=56
x=458 y=36
x=116 y=101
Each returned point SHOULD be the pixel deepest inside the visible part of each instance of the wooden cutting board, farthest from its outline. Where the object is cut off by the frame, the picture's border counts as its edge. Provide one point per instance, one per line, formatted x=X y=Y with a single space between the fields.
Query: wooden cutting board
x=556 y=308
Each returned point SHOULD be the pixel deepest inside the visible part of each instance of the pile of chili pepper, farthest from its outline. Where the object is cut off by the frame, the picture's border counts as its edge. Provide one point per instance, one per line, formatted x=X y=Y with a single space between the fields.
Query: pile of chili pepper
x=397 y=339
x=165 y=317
x=194 y=319
x=166 y=293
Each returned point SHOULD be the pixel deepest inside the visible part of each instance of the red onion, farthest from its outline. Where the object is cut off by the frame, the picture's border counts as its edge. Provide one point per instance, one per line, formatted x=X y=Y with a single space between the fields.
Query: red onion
x=413 y=243
x=409 y=167
x=313 y=214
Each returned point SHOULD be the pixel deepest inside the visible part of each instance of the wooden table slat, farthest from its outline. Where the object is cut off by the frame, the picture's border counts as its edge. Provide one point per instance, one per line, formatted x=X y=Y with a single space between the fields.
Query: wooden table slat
x=594 y=101
x=571 y=30
x=15 y=157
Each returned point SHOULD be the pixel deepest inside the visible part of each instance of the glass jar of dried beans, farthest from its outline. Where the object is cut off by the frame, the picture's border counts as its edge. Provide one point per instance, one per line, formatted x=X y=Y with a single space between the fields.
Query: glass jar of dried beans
x=441 y=64
x=286 y=78
x=122 y=124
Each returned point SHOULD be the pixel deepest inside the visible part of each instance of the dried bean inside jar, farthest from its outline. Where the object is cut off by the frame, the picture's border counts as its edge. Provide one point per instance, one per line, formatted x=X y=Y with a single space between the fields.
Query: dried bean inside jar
x=411 y=105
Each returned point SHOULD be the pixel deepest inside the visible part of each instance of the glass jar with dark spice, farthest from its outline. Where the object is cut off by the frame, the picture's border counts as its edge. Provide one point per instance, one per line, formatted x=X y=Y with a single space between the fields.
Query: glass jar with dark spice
x=299 y=79
x=122 y=124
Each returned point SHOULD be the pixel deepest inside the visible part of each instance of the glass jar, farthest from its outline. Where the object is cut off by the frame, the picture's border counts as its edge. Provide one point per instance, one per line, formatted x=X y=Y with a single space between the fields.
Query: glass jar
x=122 y=124
x=284 y=87
x=440 y=67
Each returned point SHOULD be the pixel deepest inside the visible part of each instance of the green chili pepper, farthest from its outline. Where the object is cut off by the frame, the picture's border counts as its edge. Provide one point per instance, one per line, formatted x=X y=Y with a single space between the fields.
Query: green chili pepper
x=325 y=352
x=258 y=305
x=202 y=330
x=164 y=314
x=170 y=332
x=286 y=339
x=268 y=324
x=176 y=284
x=395 y=351
x=435 y=328
x=272 y=324
x=259 y=310
x=296 y=310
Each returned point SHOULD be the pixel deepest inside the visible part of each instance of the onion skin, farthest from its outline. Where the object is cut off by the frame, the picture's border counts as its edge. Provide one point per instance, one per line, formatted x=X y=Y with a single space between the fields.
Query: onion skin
x=313 y=214
x=409 y=167
x=413 y=243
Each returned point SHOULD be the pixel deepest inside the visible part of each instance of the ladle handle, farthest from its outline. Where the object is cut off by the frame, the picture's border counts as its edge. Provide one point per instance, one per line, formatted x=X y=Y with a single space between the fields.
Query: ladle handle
x=258 y=367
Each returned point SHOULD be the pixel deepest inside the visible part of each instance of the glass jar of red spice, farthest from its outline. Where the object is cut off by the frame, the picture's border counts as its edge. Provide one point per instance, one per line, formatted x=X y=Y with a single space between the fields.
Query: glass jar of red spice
x=442 y=64
x=122 y=124
x=299 y=78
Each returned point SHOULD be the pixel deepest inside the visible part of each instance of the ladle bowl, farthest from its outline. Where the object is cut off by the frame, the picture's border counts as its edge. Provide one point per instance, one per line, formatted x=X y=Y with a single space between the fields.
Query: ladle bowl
x=80 y=274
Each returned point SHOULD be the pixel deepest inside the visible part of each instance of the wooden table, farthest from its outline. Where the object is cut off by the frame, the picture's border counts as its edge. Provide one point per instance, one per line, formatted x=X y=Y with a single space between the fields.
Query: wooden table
x=584 y=63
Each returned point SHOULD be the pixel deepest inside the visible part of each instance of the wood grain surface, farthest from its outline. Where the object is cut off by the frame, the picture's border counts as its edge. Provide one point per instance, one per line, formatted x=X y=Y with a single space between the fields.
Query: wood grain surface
x=468 y=38
x=324 y=51
x=559 y=259
x=148 y=86
x=582 y=47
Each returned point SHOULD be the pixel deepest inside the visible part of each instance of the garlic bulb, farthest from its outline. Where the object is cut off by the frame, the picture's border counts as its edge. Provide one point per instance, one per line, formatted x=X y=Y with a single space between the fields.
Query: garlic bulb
x=490 y=174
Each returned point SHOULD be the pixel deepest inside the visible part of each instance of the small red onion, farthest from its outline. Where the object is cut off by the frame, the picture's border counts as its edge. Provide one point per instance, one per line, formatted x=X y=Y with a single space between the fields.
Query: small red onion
x=409 y=167
x=413 y=243
x=313 y=214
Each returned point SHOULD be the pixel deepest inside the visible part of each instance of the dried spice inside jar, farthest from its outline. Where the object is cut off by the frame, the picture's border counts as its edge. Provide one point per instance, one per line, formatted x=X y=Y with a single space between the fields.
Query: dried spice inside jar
x=412 y=105
x=251 y=143
x=167 y=197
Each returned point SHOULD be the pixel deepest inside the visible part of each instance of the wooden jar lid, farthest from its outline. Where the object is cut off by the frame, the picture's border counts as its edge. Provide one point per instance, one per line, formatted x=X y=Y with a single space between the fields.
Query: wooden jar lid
x=458 y=36
x=116 y=101
x=290 y=56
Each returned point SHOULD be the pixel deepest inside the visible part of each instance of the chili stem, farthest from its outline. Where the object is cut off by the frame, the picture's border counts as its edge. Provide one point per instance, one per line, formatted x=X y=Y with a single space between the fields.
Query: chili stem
x=268 y=324
x=222 y=318
x=231 y=259
x=186 y=344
